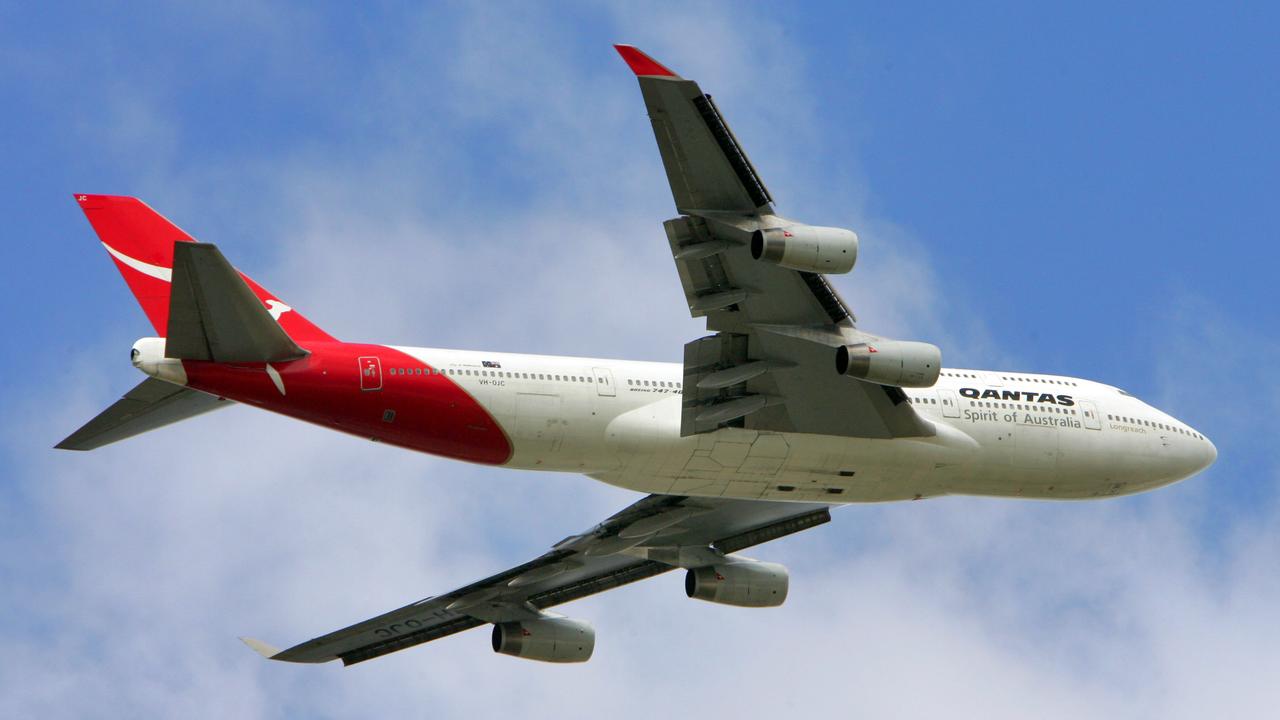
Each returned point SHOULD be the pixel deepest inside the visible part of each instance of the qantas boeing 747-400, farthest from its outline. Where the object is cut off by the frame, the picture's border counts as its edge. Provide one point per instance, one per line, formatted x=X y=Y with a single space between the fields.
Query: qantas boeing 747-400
x=784 y=409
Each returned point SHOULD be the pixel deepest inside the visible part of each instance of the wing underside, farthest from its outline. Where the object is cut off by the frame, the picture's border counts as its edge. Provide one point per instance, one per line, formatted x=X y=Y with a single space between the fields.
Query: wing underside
x=770 y=364
x=657 y=534
x=150 y=405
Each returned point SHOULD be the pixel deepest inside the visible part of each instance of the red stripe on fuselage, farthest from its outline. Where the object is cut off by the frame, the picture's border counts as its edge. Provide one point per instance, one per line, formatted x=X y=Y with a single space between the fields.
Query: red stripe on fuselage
x=431 y=412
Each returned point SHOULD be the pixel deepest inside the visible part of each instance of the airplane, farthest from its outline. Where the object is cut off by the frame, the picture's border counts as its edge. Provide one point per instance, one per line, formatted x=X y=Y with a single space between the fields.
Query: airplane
x=784 y=410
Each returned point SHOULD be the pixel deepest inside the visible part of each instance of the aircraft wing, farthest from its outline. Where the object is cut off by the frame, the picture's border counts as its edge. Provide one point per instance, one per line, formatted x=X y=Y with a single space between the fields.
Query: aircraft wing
x=650 y=537
x=771 y=363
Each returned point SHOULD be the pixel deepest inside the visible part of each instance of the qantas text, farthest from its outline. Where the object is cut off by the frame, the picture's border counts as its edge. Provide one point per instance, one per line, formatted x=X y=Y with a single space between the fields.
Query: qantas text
x=1017 y=396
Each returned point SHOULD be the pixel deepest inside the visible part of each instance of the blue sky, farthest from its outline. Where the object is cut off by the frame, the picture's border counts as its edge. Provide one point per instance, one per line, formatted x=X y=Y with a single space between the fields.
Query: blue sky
x=1084 y=190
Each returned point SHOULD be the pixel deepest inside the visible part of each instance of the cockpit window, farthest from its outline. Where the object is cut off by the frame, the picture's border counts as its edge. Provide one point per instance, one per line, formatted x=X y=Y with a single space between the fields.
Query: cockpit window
x=1123 y=392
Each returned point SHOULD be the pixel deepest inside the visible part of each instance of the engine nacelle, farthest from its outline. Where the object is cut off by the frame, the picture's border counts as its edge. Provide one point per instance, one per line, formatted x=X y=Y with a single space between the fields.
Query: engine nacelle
x=902 y=363
x=549 y=639
x=745 y=584
x=807 y=247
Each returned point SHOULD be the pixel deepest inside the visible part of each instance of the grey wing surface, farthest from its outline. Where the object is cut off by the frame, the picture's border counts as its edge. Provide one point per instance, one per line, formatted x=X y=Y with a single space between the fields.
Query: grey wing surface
x=650 y=537
x=770 y=364
x=151 y=404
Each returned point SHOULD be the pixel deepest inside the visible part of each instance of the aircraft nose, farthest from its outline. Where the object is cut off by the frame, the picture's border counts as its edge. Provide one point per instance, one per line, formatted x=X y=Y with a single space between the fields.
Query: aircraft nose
x=1208 y=454
x=1200 y=455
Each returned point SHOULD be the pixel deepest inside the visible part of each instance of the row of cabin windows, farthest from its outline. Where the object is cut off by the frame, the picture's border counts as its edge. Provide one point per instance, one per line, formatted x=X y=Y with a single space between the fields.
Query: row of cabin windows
x=1020 y=406
x=530 y=376
x=654 y=383
x=1156 y=425
x=1046 y=381
x=498 y=374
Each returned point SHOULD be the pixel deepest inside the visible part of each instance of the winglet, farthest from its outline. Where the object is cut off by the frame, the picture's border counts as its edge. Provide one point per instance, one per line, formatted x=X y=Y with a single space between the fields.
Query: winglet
x=260 y=647
x=642 y=64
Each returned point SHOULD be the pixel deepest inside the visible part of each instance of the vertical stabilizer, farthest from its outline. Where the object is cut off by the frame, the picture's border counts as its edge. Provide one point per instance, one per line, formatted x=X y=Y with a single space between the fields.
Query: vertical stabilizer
x=141 y=241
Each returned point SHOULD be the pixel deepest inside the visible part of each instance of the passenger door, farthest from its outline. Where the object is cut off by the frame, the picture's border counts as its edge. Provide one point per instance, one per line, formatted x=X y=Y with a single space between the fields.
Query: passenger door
x=604 y=382
x=1089 y=415
x=950 y=403
x=370 y=373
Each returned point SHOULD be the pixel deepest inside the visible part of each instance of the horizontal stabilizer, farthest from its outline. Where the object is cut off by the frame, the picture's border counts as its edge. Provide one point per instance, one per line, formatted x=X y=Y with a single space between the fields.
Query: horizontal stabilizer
x=152 y=404
x=215 y=316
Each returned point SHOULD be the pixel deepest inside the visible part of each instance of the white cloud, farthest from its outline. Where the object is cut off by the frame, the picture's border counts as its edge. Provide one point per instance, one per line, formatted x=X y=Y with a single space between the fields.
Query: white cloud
x=140 y=563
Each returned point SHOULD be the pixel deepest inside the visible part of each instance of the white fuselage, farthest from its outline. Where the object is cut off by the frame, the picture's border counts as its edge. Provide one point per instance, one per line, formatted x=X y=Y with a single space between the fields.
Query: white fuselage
x=997 y=433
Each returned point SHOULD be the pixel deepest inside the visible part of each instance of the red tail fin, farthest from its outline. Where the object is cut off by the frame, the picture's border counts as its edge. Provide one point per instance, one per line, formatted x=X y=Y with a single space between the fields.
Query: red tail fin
x=140 y=241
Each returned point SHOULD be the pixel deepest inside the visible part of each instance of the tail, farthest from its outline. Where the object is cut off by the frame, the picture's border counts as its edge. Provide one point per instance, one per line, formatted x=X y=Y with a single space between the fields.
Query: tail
x=141 y=242
x=204 y=309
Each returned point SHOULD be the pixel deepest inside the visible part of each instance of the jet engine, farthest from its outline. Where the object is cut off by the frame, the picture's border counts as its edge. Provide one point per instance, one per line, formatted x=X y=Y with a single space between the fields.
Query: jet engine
x=903 y=363
x=550 y=639
x=745 y=584
x=807 y=247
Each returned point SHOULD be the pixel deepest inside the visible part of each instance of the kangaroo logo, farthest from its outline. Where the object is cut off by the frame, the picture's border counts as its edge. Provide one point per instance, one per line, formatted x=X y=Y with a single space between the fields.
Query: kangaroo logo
x=276 y=309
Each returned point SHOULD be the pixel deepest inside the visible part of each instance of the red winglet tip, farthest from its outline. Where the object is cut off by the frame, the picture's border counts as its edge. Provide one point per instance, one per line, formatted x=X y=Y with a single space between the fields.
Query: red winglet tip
x=642 y=64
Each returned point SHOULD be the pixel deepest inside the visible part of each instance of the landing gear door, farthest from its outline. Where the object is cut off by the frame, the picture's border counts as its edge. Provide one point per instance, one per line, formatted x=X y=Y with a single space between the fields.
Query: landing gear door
x=604 y=382
x=1089 y=415
x=950 y=403
x=370 y=373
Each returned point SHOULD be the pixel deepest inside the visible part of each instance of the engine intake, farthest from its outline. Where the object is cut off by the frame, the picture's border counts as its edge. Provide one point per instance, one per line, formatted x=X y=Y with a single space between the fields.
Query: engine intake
x=807 y=247
x=902 y=363
x=745 y=584
x=550 y=639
